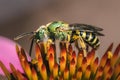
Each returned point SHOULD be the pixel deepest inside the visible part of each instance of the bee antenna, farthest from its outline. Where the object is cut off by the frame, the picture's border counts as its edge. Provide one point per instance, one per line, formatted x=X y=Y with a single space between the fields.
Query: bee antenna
x=23 y=35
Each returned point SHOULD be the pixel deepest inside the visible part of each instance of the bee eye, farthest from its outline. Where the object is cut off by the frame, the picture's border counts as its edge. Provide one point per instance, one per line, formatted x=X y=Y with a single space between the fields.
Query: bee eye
x=58 y=28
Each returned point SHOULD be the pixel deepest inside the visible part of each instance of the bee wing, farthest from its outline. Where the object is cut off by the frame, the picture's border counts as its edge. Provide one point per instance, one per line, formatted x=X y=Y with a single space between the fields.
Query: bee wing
x=77 y=26
x=23 y=35
x=87 y=28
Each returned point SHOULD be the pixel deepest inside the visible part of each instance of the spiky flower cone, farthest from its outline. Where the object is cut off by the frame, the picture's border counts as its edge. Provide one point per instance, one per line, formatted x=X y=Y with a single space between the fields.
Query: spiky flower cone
x=71 y=65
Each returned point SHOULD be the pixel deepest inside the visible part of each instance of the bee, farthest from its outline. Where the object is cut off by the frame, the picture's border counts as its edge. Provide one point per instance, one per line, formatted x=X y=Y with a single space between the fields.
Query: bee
x=88 y=33
x=83 y=33
x=65 y=32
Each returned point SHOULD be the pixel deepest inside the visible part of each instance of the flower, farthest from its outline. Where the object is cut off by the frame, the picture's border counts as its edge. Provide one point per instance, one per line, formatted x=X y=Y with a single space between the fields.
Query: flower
x=8 y=54
x=71 y=65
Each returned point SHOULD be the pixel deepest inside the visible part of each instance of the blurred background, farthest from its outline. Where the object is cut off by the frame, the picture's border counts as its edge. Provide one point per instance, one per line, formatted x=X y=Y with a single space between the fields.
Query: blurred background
x=20 y=16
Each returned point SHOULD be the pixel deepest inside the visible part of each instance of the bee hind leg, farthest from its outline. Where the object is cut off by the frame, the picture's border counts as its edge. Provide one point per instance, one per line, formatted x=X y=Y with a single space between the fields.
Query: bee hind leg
x=83 y=45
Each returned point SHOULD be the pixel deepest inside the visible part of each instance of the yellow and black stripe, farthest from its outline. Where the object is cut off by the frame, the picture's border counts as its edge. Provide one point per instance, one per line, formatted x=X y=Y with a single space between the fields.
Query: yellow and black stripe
x=90 y=38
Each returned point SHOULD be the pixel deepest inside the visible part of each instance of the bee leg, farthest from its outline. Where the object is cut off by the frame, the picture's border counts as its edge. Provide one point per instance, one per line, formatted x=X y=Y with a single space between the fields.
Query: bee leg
x=48 y=43
x=57 y=50
x=83 y=46
x=30 y=51
x=87 y=48
x=66 y=44
x=77 y=46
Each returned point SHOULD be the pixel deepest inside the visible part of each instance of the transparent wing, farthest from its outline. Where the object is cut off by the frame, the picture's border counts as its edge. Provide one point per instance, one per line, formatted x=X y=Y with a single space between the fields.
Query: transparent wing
x=23 y=35
x=87 y=28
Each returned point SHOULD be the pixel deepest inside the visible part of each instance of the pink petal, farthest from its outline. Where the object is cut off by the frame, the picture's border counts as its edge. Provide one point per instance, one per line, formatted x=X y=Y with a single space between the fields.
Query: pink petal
x=8 y=54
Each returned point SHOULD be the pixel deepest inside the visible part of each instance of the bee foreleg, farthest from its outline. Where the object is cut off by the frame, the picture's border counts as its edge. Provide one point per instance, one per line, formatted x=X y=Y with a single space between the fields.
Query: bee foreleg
x=30 y=51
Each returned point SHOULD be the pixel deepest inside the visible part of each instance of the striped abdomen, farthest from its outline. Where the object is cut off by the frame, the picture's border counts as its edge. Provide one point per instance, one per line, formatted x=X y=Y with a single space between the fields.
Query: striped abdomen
x=90 y=38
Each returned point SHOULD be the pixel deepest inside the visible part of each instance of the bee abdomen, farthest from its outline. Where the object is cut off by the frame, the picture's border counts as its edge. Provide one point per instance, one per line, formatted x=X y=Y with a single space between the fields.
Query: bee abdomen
x=90 y=38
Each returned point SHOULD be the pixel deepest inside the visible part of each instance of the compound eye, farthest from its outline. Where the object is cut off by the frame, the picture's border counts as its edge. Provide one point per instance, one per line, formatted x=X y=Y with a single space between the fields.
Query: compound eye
x=58 y=29
x=61 y=28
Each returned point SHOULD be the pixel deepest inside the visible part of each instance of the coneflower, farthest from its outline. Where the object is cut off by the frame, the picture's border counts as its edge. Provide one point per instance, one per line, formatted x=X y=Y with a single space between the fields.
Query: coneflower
x=71 y=65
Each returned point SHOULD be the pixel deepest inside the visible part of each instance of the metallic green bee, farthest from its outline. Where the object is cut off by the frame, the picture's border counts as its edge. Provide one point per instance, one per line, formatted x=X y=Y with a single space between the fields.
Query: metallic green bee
x=66 y=32
x=72 y=32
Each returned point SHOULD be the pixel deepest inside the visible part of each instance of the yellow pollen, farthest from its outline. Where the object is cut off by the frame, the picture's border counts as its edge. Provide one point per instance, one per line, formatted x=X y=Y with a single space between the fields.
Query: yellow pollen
x=110 y=54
